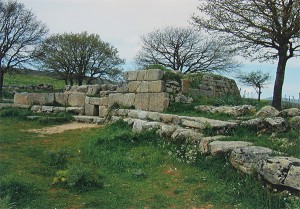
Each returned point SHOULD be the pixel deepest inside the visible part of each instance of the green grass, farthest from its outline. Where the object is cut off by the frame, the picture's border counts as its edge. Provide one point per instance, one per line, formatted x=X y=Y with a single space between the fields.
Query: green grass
x=113 y=167
x=25 y=80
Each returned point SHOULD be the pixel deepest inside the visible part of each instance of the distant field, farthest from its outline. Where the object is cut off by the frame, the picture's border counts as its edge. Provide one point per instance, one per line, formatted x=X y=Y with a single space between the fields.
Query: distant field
x=28 y=79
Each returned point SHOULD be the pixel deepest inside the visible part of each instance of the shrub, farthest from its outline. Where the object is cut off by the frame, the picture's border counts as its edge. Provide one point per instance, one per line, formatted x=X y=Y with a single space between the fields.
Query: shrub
x=18 y=191
x=58 y=160
x=14 y=112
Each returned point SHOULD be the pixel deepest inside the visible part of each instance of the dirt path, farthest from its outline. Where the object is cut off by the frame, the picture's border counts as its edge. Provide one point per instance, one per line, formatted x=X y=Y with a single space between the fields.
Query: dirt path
x=63 y=128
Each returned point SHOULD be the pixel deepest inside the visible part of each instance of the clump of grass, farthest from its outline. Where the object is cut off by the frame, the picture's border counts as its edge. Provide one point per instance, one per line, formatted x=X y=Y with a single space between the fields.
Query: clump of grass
x=14 y=112
x=53 y=119
x=17 y=191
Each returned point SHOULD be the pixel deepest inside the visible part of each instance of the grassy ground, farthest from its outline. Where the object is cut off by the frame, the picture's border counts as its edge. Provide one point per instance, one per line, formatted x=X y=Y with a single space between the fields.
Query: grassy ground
x=27 y=79
x=113 y=167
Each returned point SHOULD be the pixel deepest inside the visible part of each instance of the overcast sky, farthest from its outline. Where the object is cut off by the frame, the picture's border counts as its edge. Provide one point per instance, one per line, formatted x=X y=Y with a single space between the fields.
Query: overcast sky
x=122 y=22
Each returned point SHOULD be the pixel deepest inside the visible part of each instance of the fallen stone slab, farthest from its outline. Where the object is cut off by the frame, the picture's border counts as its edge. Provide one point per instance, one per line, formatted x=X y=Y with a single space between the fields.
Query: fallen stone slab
x=225 y=147
x=141 y=125
x=186 y=135
x=280 y=171
x=291 y=112
x=246 y=158
x=203 y=146
x=89 y=119
x=167 y=130
x=267 y=111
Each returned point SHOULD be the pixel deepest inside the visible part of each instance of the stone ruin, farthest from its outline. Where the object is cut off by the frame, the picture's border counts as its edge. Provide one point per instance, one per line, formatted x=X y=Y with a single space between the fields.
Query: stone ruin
x=145 y=90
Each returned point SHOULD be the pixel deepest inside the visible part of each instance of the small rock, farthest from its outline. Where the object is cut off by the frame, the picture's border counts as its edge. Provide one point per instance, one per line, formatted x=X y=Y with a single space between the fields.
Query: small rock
x=267 y=111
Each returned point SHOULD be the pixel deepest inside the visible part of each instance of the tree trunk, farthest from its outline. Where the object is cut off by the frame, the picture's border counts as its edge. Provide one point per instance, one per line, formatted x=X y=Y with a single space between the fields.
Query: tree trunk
x=1 y=81
x=259 y=93
x=277 y=93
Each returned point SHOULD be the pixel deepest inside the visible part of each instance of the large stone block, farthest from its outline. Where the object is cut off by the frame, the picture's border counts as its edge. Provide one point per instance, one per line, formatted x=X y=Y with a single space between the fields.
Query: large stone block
x=103 y=111
x=91 y=110
x=156 y=86
x=142 y=101
x=21 y=99
x=93 y=90
x=225 y=147
x=75 y=99
x=95 y=100
x=133 y=86
x=131 y=75
x=126 y=100
x=282 y=171
x=158 y=102
x=61 y=98
x=153 y=75
x=41 y=98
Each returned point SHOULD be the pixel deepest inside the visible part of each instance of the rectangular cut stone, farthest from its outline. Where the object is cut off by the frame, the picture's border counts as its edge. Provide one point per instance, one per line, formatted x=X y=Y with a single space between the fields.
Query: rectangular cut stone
x=95 y=100
x=153 y=75
x=141 y=75
x=156 y=86
x=185 y=86
x=41 y=98
x=142 y=101
x=131 y=75
x=21 y=99
x=104 y=101
x=93 y=90
x=91 y=110
x=60 y=98
x=143 y=88
x=122 y=89
x=126 y=100
x=103 y=111
x=133 y=86
x=76 y=99
x=158 y=102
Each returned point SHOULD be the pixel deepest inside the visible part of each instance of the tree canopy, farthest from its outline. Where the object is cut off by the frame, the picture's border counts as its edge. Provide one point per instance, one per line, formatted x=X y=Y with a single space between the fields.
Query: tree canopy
x=20 y=32
x=185 y=50
x=260 y=29
x=256 y=79
x=76 y=57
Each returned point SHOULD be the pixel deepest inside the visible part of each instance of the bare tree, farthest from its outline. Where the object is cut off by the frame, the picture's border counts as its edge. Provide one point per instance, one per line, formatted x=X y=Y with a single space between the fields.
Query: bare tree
x=19 y=33
x=185 y=50
x=261 y=29
x=256 y=79
x=75 y=57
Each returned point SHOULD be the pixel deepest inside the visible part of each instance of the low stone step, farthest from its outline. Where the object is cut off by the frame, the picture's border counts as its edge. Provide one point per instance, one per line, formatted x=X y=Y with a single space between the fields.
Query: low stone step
x=225 y=147
x=89 y=119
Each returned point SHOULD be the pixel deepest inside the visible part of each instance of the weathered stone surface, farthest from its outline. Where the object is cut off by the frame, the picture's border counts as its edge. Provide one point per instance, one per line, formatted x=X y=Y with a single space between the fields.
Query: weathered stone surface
x=276 y=124
x=95 y=100
x=156 y=86
x=283 y=171
x=133 y=113
x=123 y=89
x=104 y=101
x=153 y=74
x=219 y=126
x=75 y=99
x=203 y=146
x=256 y=123
x=93 y=90
x=185 y=86
x=143 y=87
x=158 y=102
x=89 y=119
x=103 y=111
x=82 y=89
x=36 y=108
x=168 y=118
x=229 y=110
x=131 y=75
x=267 y=111
x=34 y=98
x=61 y=98
x=294 y=122
x=142 y=115
x=75 y=110
x=246 y=158
x=91 y=110
x=126 y=100
x=153 y=116
x=47 y=109
x=141 y=125
x=123 y=112
x=185 y=135
x=142 y=101
x=133 y=86
x=59 y=109
x=225 y=147
x=167 y=130
x=180 y=98
x=5 y=105
x=291 y=112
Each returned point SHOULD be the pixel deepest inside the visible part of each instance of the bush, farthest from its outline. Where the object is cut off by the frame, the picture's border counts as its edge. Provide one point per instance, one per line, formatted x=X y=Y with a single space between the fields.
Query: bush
x=14 y=112
x=58 y=160
x=17 y=190
x=79 y=178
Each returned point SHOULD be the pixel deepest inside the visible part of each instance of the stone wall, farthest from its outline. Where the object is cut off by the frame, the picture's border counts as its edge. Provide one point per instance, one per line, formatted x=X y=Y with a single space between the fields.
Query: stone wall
x=145 y=90
x=215 y=86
